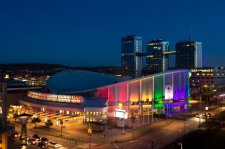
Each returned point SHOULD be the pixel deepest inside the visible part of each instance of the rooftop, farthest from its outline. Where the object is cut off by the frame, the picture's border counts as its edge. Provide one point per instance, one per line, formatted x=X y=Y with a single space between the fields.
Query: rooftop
x=78 y=80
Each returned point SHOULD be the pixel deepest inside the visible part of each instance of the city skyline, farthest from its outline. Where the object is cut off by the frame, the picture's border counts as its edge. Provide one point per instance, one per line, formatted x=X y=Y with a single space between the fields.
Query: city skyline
x=62 y=32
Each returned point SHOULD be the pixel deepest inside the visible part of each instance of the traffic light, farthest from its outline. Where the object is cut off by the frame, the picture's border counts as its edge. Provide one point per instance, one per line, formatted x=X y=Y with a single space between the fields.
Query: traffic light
x=90 y=132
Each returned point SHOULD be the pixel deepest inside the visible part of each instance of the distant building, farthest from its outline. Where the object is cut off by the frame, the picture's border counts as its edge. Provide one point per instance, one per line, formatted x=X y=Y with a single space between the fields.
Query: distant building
x=156 y=61
x=188 y=54
x=204 y=60
x=208 y=83
x=131 y=47
x=3 y=115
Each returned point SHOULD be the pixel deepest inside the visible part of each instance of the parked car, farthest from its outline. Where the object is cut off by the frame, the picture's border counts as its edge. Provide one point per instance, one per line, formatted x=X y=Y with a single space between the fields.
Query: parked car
x=31 y=141
x=15 y=134
x=42 y=145
x=54 y=144
x=44 y=140
x=37 y=137
x=209 y=115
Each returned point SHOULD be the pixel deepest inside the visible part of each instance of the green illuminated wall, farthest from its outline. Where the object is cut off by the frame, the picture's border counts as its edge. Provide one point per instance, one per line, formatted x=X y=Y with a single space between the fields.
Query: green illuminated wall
x=158 y=87
x=158 y=106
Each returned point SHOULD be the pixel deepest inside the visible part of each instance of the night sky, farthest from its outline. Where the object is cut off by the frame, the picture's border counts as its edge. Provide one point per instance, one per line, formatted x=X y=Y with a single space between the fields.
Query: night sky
x=88 y=32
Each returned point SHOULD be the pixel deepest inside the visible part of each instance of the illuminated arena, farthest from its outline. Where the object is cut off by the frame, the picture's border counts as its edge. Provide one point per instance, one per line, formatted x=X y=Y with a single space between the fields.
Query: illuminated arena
x=82 y=95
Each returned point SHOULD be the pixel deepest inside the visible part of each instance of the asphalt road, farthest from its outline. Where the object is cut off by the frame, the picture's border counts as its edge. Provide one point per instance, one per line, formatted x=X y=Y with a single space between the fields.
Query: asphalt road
x=175 y=130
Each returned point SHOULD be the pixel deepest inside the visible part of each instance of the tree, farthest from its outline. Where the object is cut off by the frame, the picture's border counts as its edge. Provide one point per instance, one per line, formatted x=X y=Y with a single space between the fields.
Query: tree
x=15 y=115
x=48 y=123
x=36 y=120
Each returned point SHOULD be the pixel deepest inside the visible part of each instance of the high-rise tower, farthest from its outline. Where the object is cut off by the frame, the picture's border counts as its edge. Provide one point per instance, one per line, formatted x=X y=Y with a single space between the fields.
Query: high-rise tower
x=189 y=54
x=131 y=48
x=156 y=60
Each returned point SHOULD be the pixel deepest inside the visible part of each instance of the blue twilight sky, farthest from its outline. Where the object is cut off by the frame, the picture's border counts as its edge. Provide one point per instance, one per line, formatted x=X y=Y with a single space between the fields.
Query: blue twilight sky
x=88 y=32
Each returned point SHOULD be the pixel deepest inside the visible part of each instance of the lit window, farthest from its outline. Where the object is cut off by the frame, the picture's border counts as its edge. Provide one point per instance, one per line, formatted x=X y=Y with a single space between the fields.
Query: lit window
x=198 y=80
x=78 y=112
x=203 y=74
x=90 y=113
x=96 y=113
x=0 y=110
x=93 y=113
x=198 y=74
x=87 y=113
x=60 y=111
x=193 y=80
x=0 y=98
x=68 y=112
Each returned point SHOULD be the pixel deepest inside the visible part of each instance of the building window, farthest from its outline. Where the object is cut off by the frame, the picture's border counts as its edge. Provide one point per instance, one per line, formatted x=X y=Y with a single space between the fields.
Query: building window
x=87 y=113
x=0 y=110
x=68 y=112
x=96 y=113
x=93 y=113
x=90 y=113
x=193 y=80
x=0 y=98
x=198 y=74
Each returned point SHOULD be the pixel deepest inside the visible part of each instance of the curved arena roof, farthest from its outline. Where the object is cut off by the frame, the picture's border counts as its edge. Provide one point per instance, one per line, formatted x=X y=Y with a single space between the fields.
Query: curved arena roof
x=70 y=81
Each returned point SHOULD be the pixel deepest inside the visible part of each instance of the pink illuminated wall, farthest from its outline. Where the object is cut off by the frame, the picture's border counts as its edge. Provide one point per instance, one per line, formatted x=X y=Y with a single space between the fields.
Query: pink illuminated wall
x=102 y=92
x=112 y=94
x=122 y=92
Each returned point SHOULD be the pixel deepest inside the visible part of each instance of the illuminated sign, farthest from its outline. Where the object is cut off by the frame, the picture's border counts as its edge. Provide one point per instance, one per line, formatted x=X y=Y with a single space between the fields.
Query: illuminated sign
x=120 y=113
x=168 y=92
x=120 y=105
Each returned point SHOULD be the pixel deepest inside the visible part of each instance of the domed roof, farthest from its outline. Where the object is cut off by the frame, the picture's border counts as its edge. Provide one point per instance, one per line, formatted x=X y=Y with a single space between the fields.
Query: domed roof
x=78 y=80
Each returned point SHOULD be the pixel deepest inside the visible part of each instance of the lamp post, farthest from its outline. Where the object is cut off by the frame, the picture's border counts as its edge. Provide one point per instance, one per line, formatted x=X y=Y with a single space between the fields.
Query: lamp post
x=23 y=120
x=152 y=109
x=61 y=123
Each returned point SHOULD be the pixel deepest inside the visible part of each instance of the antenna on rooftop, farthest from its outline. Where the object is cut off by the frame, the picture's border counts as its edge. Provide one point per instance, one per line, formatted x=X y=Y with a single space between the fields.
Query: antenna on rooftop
x=190 y=37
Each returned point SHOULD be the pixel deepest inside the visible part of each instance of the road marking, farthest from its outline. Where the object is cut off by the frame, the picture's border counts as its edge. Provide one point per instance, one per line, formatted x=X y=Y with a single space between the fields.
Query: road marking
x=115 y=145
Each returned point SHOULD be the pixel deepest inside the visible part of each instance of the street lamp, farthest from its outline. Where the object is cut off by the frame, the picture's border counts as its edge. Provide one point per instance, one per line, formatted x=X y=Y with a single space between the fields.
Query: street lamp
x=23 y=120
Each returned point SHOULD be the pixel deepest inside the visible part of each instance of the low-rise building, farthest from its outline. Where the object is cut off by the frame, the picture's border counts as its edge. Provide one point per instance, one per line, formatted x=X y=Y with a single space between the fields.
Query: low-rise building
x=208 y=83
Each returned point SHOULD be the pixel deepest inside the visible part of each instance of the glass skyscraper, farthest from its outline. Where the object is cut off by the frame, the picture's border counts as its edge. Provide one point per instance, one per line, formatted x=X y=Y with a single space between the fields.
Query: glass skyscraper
x=188 y=54
x=156 y=60
x=131 y=48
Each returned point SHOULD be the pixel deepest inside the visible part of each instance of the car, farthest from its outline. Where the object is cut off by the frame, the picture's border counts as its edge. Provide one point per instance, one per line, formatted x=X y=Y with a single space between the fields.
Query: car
x=37 y=137
x=42 y=145
x=54 y=144
x=209 y=115
x=15 y=134
x=204 y=116
x=199 y=116
x=44 y=140
x=31 y=141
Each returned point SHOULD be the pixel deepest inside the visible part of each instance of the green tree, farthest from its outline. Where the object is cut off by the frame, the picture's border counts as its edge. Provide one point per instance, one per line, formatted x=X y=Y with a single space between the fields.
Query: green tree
x=15 y=115
x=36 y=120
x=48 y=123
